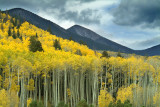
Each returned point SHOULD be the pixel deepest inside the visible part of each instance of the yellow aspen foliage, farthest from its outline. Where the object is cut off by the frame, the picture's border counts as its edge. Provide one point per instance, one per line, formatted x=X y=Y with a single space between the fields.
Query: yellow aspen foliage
x=29 y=102
x=68 y=92
x=156 y=98
x=14 y=87
x=124 y=94
x=1 y=80
x=4 y=99
x=30 y=86
x=14 y=100
x=104 y=98
x=75 y=70
x=6 y=83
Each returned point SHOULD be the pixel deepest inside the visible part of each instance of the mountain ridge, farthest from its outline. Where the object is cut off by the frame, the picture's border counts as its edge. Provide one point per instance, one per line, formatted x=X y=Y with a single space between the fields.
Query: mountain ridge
x=94 y=41
x=85 y=32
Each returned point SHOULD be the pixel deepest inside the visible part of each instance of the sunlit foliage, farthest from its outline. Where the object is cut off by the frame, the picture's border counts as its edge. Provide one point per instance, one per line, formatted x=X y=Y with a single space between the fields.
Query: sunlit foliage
x=55 y=70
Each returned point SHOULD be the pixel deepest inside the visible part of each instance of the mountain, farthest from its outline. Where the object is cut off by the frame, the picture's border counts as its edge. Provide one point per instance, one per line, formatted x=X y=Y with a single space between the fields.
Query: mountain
x=56 y=29
x=84 y=32
x=155 y=50
x=78 y=33
x=93 y=43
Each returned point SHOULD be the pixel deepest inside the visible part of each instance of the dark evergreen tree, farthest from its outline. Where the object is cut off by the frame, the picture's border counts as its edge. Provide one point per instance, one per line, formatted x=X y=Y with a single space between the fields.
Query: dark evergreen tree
x=9 y=31
x=2 y=28
x=19 y=22
x=20 y=37
x=57 y=45
x=5 y=20
x=49 y=30
x=36 y=35
x=78 y=52
x=105 y=54
x=15 y=23
x=18 y=34
x=14 y=34
x=82 y=42
x=70 y=38
x=35 y=44
x=12 y=21
x=119 y=54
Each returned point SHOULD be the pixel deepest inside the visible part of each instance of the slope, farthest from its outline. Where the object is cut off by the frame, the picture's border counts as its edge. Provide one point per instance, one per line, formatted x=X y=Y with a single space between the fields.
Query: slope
x=93 y=40
x=97 y=38
x=61 y=32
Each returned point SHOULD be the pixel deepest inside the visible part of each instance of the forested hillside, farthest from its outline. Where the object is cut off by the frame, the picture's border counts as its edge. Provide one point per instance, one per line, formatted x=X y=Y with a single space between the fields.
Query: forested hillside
x=39 y=69
x=53 y=27
x=78 y=34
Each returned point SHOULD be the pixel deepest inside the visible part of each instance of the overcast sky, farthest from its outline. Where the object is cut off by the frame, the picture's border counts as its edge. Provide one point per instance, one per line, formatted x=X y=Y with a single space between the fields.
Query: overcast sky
x=132 y=23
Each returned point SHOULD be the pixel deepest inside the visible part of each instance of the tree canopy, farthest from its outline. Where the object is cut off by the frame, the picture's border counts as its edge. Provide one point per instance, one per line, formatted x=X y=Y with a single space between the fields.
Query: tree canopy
x=36 y=66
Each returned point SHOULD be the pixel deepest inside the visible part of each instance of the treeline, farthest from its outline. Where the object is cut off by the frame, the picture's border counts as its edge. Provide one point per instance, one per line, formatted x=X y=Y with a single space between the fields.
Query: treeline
x=14 y=22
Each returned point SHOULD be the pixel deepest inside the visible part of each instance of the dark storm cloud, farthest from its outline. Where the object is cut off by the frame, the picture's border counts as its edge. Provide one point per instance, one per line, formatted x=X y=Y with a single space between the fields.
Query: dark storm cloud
x=85 y=16
x=55 y=8
x=148 y=43
x=8 y=3
x=137 y=12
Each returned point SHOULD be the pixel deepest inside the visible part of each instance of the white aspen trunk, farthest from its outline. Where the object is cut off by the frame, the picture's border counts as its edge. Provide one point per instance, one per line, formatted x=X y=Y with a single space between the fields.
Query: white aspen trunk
x=129 y=76
x=58 y=87
x=39 y=88
x=35 y=95
x=112 y=80
x=95 y=87
x=101 y=80
x=87 y=89
x=50 y=88
x=22 y=98
x=144 y=90
x=9 y=77
x=18 y=80
x=28 y=89
x=65 y=86
x=106 y=78
x=53 y=88
x=71 y=85
x=56 y=92
x=46 y=92
x=81 y=86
